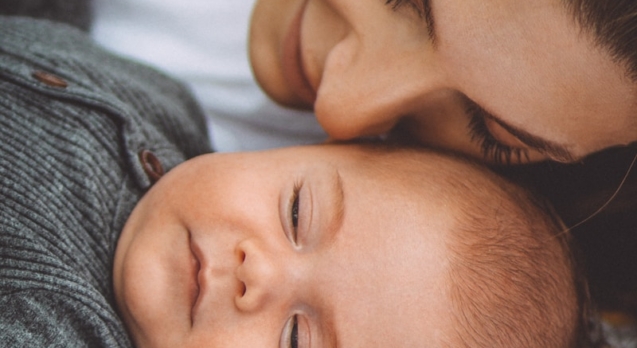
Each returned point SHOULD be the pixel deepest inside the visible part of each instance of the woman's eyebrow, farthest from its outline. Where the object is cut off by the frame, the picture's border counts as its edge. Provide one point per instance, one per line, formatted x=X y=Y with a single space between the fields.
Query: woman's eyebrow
x=423 y=7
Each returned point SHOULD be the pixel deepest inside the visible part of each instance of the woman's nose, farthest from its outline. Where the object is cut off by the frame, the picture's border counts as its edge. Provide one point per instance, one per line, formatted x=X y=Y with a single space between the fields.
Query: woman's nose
x=370 y=92
x=372 y=77
x=264 y=277
x=367 y=114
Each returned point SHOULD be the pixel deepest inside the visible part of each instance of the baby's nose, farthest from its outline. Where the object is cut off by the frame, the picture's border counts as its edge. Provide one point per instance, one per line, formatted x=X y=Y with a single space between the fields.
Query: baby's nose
x=264 y=277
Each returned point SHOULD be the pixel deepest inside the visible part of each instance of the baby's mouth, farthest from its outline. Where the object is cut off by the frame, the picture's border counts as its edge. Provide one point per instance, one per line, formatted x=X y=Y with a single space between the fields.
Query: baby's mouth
x=195 y=292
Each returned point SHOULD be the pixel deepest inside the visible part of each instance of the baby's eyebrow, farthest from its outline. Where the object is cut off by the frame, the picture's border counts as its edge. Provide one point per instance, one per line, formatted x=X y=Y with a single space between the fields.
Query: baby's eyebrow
x=338 y=204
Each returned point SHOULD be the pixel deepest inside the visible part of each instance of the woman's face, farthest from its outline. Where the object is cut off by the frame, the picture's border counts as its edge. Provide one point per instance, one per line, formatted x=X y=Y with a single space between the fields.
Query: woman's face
x=507 y=80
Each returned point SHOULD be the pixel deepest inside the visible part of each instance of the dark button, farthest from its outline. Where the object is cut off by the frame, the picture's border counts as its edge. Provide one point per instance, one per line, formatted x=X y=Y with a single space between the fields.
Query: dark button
x=50 y=79
x=151 y=164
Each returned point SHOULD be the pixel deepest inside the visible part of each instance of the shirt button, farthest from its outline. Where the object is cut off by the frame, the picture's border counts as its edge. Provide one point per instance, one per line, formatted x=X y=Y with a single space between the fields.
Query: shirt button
x=49 y=79
x=151 y=165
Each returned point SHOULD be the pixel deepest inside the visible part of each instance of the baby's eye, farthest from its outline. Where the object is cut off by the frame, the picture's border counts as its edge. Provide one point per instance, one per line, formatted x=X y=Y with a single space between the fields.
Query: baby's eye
x=294 y=213
x=290 y=334
x=294 y=334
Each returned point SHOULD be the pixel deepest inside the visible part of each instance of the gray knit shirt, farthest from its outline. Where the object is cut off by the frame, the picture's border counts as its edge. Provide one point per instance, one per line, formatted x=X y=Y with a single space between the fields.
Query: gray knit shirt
x=73 y=120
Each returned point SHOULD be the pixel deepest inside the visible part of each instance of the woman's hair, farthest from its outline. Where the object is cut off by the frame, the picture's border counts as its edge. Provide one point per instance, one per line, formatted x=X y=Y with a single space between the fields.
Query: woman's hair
x=613 y=25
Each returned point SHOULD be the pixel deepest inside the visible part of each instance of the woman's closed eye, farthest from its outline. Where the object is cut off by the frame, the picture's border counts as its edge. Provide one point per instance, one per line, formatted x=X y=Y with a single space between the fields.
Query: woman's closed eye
x=492 y=149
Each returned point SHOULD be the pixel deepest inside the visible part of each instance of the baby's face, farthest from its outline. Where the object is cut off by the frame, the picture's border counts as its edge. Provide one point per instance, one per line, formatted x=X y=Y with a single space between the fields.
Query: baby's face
x=299 y=247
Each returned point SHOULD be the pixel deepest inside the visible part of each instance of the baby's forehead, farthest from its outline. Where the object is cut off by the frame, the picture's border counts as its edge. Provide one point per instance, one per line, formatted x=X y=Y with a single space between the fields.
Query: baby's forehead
x=419 y=167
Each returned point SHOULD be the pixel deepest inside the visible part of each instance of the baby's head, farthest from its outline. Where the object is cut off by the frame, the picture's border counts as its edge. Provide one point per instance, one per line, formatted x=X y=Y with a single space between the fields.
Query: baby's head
x=342 y=245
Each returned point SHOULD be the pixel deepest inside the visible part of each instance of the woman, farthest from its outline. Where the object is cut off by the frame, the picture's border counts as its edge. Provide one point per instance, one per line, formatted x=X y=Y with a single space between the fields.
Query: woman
x=505 y=80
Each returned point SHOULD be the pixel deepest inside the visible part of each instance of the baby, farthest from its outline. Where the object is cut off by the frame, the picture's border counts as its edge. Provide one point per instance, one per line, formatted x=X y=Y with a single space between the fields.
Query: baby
x=343 y=246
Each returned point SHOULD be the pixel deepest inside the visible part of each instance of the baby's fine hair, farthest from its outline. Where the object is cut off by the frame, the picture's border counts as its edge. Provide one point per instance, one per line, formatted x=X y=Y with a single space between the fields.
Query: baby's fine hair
x=514 y=276
x=514 y=280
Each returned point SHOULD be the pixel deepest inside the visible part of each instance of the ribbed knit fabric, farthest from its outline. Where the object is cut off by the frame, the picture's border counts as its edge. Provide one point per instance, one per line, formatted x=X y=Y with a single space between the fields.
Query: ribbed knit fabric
x=70 y=175
x=73 y=12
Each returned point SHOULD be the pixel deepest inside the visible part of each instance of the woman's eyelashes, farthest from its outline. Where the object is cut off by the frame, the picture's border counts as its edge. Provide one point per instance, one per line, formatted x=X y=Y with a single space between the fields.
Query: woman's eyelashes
x=418 y=5
x=491 y=148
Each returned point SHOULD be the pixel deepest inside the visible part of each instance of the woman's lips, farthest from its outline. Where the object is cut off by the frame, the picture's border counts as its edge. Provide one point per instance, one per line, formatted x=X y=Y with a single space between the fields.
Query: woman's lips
x=292 y=62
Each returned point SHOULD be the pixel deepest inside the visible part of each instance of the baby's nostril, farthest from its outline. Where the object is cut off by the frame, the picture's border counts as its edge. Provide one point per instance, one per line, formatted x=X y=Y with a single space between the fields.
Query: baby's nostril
x=243 y=289
x=242 y=256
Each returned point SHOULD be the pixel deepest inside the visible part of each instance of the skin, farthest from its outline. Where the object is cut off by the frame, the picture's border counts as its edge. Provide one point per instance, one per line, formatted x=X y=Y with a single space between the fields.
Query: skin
x=208 y=257
x=548 y=91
